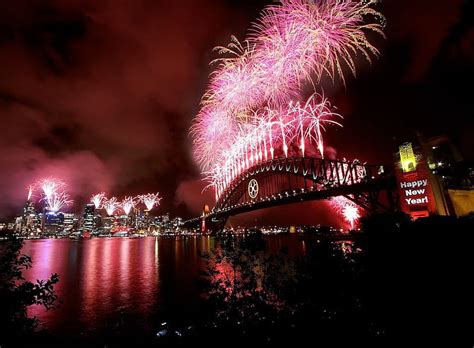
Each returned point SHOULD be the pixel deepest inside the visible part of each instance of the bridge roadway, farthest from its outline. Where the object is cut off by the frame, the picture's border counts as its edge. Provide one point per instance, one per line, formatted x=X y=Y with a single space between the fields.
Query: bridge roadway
x=304 y=179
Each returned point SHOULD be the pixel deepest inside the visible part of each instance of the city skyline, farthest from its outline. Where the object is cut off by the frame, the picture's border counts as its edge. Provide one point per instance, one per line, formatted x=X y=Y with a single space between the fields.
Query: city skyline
x=243 y=171
x=99 y=147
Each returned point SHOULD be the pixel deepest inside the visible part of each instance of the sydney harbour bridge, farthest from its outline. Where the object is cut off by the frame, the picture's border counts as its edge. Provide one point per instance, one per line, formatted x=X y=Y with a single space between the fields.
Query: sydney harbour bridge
x=254 y=110
x=284 y=181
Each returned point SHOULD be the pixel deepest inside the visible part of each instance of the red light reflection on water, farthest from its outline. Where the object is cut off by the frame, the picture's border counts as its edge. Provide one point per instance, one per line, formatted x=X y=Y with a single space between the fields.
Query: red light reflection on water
x=122 y=284
x=102 y=278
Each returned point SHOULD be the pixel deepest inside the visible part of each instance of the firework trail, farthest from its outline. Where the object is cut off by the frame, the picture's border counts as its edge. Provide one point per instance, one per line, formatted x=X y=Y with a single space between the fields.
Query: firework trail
x=50 y=185
x=53 y=193
x=110 y=205
x=128 y=204
x=150 y=200
x=57 y=201
x=272 y=131
x=97 y=199
x=347 y=208
x=30 y=192
x=251 y=109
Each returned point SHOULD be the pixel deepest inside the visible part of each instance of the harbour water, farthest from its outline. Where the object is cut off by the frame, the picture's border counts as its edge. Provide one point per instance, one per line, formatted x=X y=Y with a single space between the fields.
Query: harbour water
x=120 y=286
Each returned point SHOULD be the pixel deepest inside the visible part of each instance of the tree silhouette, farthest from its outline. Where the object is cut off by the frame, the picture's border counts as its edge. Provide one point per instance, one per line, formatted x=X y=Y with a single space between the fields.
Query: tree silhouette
x=17 y=294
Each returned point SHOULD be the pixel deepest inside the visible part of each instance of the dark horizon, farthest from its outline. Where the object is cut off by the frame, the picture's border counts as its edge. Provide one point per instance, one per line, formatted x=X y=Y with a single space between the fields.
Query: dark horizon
x=103 y=95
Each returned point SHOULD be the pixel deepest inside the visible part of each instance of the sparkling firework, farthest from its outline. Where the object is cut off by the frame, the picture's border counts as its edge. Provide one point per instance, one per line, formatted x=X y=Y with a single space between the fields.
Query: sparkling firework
x=57 y=201
x=97 y=199
x=110 y=205
x=128 y=204
x=347 y=208
x=270 y=132
x=150 y=200
x=247 y=114
x=30 y=192
x=53 y=193
x=49 y=186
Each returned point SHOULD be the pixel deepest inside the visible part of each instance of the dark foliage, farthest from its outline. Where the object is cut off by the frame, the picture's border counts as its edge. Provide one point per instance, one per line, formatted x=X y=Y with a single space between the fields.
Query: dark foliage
x=399 y=281
x=417 y=277
x=17 y=294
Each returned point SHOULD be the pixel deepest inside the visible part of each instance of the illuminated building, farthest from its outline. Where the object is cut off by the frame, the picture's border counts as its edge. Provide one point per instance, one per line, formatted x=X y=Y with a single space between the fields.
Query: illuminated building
x=69 y=222
x=433 y=179
x=28 y=224
x=165 y=219
x=454 y=175
x=53 y=223
x=18 y=224
x=88 y=218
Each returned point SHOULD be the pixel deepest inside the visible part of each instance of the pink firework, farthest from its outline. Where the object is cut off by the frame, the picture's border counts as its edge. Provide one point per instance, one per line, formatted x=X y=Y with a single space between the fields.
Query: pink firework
x=50 y=185
x=236 y=84
x=30 y=192
x=212 y=127
x=272 y=132
x=150 y=200
x=57 y=201
x=53 y=193
x=300 y=40
x=110 y=205
x=247 y=115
x=347 y=208
x=97 y=199
x=128 y=204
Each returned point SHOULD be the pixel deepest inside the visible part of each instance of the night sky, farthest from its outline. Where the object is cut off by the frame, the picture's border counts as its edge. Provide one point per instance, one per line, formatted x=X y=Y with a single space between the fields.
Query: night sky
x=102 y=93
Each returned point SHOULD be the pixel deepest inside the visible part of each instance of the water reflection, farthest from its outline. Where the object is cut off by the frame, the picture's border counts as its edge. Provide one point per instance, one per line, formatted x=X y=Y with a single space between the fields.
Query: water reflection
x=121 y=285
x=101 y=279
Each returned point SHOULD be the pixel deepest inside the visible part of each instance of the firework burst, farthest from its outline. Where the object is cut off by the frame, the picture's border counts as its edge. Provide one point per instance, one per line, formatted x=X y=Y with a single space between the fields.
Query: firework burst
x=30 y=192
x=97 y=199
x=53 y=193
x=110 y=205
x=150 y=200
x=247 y=112
x=272 y=131
x=50 y=185
x=57 y=201
x=347 y=208
x=128 y=204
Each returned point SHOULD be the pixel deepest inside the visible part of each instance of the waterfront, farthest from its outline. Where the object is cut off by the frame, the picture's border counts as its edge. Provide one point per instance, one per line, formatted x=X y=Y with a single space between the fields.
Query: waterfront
x=125 y=286
x=284 y=288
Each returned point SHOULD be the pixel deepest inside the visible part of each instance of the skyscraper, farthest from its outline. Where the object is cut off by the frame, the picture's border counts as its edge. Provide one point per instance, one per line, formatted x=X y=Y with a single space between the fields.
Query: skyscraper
x=69 y=222
x=88 y=218
x=30 y=222
x=53 y=223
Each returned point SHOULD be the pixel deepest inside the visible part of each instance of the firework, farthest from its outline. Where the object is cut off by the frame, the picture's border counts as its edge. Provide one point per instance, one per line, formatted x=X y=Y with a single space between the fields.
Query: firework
x=128 y=204
x=150 y=200
x=110 y=205
x=247 y=112
x=97 y=199
x=50 y=186
x=347 y=208
x=270 y=132
x=58 y=200
x=30 y=192
x=53 y=193
x=299 y=40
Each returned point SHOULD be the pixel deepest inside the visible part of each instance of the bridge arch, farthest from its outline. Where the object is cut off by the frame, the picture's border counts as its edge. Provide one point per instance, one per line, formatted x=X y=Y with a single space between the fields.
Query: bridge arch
x=283 y=178
x=289 y=180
